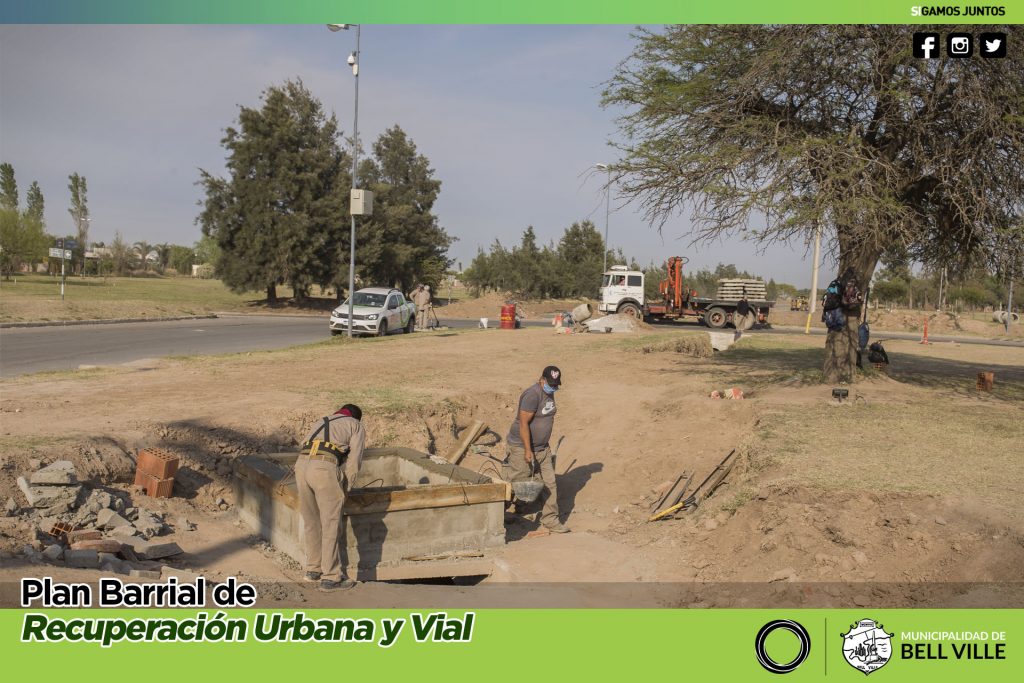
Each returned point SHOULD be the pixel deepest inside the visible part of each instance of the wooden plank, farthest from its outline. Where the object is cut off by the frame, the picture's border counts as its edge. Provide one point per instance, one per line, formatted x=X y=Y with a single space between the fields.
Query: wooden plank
x=469 y=436
x=367 y=502
x=451 y=555
x=360 y=502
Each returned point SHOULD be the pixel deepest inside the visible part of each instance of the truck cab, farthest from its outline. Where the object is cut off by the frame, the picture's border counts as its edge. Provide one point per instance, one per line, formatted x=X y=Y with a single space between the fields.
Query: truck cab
x=622 y=291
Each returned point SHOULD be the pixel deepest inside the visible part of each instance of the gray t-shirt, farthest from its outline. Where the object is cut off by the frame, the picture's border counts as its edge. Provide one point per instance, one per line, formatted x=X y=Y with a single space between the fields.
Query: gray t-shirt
x=542 y=405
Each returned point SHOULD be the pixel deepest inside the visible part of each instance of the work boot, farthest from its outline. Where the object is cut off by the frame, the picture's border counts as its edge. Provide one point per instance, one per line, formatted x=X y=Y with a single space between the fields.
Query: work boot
x=557 y=528
x=343 y=585
x=312 y=576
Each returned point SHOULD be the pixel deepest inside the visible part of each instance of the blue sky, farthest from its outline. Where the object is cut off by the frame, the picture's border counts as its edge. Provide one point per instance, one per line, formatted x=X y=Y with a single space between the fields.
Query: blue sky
x=509 y=117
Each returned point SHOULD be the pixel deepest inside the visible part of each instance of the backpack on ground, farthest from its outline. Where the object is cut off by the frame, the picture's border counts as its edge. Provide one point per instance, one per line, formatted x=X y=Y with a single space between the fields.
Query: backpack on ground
x=877 y=354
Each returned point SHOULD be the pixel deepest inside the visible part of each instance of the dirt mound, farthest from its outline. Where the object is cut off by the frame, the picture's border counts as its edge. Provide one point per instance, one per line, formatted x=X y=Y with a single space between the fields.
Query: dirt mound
x=616 y=323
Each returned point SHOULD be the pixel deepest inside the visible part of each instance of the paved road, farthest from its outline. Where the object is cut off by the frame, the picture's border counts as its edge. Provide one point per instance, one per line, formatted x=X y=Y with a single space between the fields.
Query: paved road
x=38 y=349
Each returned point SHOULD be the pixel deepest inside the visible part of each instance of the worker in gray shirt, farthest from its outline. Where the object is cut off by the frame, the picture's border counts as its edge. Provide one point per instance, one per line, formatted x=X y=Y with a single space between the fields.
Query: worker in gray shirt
x=527 y=444
x=325 y=469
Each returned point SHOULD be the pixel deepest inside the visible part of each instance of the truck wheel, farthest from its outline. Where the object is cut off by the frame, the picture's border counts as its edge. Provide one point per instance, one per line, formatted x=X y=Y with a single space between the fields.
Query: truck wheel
x=382 y=329
x=411 y=327
x=715 y=318
x=744 y=323
x=632 y=310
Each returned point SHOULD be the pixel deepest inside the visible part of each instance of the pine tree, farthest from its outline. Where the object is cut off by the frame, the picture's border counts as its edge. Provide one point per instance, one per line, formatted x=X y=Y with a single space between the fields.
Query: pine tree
x=35 y=202
x=581 y=252
x=278 y=216
x=8 y=188
x=402 y=243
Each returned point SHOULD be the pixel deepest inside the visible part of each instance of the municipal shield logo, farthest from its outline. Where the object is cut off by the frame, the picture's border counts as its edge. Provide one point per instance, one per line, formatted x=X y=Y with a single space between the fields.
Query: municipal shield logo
x=866 y=646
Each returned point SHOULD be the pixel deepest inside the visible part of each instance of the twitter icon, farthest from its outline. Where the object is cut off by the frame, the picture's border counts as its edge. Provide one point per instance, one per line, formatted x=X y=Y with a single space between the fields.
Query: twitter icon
x=993 y=45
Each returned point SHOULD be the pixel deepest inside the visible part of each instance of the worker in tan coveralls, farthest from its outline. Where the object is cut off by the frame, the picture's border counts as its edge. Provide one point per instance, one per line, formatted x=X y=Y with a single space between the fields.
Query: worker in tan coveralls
x=420 y=297
x=327 y=466
x=527 y=444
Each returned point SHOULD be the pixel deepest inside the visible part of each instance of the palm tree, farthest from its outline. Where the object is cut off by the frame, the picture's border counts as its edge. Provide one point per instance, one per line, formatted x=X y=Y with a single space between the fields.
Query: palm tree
x=163 y=252
x=142 y=249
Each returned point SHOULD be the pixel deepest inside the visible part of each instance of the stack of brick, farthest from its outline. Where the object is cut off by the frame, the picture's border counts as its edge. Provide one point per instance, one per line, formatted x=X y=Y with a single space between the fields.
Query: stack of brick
x=155 y=470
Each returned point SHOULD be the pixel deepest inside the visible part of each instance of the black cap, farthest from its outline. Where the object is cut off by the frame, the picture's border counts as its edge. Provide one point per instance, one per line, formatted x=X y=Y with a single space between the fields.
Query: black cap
x=552 y=375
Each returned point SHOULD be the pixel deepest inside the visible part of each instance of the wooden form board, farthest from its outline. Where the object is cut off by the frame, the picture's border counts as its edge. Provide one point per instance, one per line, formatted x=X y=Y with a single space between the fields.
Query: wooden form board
x=367 y=501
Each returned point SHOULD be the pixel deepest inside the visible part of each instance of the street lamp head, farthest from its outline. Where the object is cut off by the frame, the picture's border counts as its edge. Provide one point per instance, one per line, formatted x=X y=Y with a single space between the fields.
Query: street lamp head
x=602 y=167
x=339 y=27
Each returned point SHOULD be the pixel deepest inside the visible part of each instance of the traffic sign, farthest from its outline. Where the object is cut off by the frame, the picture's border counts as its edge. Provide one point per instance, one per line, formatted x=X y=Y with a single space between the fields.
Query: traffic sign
x=60 y=253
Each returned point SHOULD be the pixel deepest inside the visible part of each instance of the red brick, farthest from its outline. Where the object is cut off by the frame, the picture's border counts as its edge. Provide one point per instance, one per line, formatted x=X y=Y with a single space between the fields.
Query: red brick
x=157 y=462
x=60 y=530
x=155 y=487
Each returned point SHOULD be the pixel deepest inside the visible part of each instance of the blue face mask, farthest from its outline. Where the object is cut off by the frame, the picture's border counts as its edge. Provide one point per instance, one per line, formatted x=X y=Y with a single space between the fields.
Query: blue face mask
x=549 y=389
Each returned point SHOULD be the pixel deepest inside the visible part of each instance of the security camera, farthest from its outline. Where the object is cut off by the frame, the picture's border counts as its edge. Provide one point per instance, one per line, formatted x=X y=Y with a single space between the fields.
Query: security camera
x=352 y=59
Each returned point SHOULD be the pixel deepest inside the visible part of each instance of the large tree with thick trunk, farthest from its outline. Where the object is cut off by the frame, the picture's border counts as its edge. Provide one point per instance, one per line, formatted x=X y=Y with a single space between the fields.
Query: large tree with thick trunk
x=770 y=131
x=278 y=215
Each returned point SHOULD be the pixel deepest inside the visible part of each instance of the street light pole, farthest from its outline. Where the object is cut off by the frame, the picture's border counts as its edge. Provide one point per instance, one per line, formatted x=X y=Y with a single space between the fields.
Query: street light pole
x=607 y=209
x=353 y=61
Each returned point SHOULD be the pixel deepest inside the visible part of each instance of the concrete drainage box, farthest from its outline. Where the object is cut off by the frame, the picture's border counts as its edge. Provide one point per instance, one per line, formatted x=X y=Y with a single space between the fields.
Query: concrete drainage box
x=407 y=517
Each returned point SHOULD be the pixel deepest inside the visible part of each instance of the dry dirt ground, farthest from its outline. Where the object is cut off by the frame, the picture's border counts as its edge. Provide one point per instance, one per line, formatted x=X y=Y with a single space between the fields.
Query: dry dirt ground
x=976 y=324
x=907 y=494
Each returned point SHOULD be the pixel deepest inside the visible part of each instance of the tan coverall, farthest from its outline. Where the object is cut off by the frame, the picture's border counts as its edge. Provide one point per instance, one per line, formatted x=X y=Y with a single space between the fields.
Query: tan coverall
x=422 y=300
x=322 y=482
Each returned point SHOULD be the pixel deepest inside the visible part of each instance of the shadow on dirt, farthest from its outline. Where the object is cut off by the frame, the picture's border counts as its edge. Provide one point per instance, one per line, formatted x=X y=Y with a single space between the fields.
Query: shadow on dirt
x=764 y=366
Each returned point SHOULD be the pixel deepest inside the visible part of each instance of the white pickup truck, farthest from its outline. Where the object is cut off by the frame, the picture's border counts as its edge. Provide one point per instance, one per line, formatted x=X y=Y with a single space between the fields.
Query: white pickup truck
x=376 y=311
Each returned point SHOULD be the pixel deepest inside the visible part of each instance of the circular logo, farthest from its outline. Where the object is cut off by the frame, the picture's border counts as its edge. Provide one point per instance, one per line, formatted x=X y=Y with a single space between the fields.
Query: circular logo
x=793 y=627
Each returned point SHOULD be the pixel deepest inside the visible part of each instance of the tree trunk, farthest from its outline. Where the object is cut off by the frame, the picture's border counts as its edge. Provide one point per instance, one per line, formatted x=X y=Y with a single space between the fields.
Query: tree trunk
x=841 y=352
x=841 y=347
x=271 y=294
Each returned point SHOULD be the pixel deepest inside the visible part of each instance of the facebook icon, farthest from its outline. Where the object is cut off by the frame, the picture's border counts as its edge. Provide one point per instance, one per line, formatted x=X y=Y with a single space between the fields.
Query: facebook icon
x=926 y=45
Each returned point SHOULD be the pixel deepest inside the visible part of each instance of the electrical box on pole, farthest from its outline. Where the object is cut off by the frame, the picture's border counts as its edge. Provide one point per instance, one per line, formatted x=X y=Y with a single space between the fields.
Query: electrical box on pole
x=362 y=203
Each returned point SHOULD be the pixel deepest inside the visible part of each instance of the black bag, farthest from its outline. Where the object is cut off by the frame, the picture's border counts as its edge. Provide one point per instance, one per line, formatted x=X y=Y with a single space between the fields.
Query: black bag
x=877 y=354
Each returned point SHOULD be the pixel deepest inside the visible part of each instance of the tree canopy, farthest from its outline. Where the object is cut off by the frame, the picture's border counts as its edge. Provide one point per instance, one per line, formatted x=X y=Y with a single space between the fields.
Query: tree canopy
x=402 y=243
x=23 y=238
x=276 y=216
x=794 y=127
x=282 y=213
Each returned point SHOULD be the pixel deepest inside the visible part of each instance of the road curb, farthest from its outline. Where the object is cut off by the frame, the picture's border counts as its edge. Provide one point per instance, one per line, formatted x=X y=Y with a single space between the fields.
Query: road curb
x=110 y=321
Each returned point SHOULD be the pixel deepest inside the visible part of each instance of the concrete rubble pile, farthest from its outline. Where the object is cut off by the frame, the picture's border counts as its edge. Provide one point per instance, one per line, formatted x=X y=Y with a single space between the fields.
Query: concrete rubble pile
x=77 y=525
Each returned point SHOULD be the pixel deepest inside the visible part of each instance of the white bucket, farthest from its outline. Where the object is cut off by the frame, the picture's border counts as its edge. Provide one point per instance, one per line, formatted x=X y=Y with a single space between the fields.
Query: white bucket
x=483 y=323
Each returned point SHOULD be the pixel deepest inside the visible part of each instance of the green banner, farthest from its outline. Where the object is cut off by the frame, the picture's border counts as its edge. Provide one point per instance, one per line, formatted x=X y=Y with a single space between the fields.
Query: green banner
x=519 y=12
x=494 y=644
